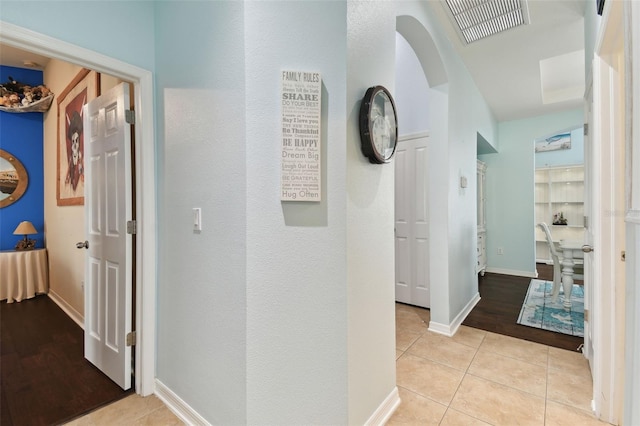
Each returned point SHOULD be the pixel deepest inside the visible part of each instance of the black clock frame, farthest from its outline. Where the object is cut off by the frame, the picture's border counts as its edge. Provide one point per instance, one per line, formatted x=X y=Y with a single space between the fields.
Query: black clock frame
x=367 y=145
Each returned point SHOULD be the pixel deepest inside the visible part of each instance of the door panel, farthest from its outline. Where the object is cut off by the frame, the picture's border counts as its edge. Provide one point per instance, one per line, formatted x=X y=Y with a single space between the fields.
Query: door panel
x=588 y=234
x=108 y=206
x=412 y=222
x=403 y=281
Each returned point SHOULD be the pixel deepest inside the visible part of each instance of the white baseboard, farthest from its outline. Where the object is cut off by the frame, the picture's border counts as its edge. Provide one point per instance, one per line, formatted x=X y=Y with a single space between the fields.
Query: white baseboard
x=440 y=328
x=528 y=274
x=384 y=412
x=457 y=321
x=451 y=329
x=180 y=408
x=67 y=308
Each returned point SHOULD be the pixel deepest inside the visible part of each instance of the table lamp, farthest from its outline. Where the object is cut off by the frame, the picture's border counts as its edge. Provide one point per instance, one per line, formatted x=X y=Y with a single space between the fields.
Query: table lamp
x=25 y=228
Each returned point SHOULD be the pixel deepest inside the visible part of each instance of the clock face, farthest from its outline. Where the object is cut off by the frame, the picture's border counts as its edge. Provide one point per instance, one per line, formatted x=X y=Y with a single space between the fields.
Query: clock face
x=378 y=125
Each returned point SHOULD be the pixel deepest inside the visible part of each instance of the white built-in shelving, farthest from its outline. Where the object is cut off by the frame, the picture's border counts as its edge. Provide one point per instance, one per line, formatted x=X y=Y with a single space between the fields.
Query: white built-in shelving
x=558 y=190
x=481 y=171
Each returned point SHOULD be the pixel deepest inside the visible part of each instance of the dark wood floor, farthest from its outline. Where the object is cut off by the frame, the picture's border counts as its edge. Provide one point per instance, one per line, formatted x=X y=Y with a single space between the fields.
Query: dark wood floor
x=501 y=298
x=45 y=379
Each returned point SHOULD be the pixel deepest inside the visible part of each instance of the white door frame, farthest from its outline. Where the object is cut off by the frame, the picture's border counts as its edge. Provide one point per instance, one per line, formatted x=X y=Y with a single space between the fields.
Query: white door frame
x=146 y=251
x=632 y=215
x=608 y=159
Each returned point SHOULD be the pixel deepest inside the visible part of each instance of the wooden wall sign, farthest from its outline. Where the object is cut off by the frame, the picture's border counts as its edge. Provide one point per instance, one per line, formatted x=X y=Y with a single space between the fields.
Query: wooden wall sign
x=301 y=177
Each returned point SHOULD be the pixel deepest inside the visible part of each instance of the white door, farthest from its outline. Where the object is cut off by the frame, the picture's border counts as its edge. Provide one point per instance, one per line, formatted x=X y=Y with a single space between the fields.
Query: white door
x=412 y=222
x=607 y=221
x=108 y=263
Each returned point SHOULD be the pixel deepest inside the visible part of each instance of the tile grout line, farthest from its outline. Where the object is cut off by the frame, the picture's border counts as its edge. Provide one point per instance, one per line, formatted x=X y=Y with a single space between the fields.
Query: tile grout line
x=546 y=387
x=466 y=371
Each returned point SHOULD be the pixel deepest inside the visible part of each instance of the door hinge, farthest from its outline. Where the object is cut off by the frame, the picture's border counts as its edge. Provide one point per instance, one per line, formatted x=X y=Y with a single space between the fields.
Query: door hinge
x=132 y=227
x=623 y=256
x=130 y=116
x=586 y=315
x=586 y=129
x=131 y=338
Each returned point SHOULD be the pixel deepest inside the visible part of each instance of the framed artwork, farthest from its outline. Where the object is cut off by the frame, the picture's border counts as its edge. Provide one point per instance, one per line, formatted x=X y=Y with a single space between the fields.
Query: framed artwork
x=70 y=165
x=560 y=140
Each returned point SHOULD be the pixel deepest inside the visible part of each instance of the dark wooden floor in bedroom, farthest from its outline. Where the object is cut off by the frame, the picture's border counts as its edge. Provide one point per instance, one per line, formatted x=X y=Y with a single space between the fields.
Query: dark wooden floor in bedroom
x=501 y=298
x=44 y=378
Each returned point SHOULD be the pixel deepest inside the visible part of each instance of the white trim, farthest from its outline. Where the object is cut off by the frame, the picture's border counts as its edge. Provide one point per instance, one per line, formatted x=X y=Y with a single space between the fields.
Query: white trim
x=440 y=328
x=502 y=271
x=177 y=405
x=146 y=250
x=384 y=412
x=76 y=316
x=451 y=329
x=412 y=136
x=632 y=216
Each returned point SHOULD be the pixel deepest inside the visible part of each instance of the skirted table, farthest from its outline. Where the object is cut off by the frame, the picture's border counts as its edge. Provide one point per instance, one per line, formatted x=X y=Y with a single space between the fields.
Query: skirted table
x=23 y=274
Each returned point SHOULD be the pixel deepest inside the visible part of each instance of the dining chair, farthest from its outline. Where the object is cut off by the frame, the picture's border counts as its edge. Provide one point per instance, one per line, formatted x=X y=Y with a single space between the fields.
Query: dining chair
x=557 y=263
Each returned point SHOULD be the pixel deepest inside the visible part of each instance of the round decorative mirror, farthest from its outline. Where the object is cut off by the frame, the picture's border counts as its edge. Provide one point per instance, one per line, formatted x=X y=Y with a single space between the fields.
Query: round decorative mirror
x=13 y=179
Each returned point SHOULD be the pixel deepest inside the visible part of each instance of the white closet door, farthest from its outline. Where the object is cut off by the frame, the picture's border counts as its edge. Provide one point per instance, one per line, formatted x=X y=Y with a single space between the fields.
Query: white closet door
x=412 y=222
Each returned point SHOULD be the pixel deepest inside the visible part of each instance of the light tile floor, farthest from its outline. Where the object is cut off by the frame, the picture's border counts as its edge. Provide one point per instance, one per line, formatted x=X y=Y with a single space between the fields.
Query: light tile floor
x=472 y=378
x=481 y=378
x=133 y=410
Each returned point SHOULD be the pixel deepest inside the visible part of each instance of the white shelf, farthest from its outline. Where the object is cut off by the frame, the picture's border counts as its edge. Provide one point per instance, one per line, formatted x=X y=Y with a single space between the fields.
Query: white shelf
x=481 y=169
x=41 y=105
x=559 y=189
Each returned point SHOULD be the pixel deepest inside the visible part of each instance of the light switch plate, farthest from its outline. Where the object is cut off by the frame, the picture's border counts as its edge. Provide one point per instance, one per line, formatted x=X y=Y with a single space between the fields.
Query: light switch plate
x=463 y=182
x=197 y=219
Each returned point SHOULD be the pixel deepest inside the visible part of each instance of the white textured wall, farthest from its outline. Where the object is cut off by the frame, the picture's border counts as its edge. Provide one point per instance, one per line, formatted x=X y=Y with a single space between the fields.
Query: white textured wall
x=412 y=91
x=201 y=163
x=296 y=252
x=370 y=217
x=90 y=24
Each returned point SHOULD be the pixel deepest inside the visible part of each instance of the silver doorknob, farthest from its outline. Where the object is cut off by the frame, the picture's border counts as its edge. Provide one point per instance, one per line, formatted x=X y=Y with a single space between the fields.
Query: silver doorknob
x=82 y=245
x=587 y=248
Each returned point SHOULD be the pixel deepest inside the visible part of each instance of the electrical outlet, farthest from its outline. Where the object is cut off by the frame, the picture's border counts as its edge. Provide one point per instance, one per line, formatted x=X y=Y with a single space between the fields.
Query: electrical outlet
x=500 y=251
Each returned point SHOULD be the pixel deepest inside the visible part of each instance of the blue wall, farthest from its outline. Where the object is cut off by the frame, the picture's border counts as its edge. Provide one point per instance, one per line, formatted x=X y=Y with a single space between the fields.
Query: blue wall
x=510 y=188
x=22 y=136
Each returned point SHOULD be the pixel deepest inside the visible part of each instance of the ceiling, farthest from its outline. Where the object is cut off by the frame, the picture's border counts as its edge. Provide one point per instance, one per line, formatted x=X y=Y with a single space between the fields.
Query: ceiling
x=12 y=57
x=506 y=67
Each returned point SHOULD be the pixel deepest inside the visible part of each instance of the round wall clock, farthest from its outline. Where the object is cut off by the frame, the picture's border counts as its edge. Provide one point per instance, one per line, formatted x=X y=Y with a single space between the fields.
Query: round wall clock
x=378 y=125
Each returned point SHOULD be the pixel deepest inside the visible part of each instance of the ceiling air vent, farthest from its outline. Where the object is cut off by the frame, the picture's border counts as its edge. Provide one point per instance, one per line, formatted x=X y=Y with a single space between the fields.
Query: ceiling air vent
x=477 y=19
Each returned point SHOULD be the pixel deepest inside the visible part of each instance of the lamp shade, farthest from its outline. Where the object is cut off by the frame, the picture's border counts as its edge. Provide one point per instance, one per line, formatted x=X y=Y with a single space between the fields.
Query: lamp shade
x=25 y=228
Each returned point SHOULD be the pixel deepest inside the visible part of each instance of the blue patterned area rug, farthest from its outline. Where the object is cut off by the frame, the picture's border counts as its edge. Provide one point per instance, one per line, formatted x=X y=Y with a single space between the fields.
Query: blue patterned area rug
x=538 y=311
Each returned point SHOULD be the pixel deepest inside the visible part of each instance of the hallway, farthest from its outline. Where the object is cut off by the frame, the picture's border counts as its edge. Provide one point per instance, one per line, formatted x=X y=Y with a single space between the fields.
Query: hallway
x=474 y=378
x=478 y=377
